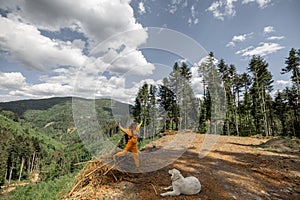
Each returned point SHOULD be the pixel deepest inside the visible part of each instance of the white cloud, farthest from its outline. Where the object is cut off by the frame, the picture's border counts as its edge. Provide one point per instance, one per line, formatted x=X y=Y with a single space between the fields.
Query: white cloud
x=43 y=90
x=64 y=76
x=230 y=44
x=214 y=8
x=176 y=4
x=196 y=81
x=244 y=50
x=64 y=61
x=193 y=18
x=283 y=82
x=263 y=49
x=276 y=38
x=196 y=21
x=261 y=3
x=115 y=88
x=133 y=63
x=26 y=45
x=193 y=12
x=268 y=29
x=225 y=8
x=17 y=87
x=11 y=80
x=239 y=38
x=222 y=8
x=97 y=20
x=142 y=9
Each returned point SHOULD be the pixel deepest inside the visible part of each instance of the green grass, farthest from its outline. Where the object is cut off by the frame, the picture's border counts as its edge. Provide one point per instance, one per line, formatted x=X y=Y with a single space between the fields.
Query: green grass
x=50 y=190
x=290 y=144
x=144 y=142
x=116 y=138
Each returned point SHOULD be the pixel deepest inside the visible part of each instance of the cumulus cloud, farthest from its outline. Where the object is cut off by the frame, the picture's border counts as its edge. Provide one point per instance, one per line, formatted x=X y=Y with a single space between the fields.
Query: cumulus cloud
x=116 y=88
x=26 y=45
x=239 y=38
x=132 y=63
x=96 y=19
x=67 y=62
x=196 y=82
x=43 y=90
x=263 y=49
x=17 y=87
x=268 y=29
x=11 y=80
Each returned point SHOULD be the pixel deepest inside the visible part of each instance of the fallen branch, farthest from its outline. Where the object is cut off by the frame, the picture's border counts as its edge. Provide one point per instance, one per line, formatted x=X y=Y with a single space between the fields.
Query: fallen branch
x=154 y=188
x=90 y=161
x=94 y=170
x=114 y=176
x=131 y=181
x=75 y=187
x=108 y=170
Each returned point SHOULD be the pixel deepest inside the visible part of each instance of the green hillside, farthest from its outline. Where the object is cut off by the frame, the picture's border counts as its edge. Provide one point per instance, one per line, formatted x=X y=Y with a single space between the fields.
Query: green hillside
x=22 y=144
x=41 y=135
x=20 y=107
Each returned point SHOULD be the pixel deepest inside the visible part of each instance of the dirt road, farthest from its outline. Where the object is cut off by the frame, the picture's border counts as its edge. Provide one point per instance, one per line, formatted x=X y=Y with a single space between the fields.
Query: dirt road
x=236 y=168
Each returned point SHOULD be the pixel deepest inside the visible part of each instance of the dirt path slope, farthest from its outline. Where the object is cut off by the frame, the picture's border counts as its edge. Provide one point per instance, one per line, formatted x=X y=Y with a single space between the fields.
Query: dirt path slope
x=236 y=168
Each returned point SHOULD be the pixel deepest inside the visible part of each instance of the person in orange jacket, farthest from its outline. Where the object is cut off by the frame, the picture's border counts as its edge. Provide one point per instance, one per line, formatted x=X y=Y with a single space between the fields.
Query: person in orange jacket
x=132 y=141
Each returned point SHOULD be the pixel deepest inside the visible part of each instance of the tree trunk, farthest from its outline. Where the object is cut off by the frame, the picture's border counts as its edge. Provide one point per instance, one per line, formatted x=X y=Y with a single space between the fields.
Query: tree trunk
x=33 y=157
x=21 y=169
x=265 y=112
x=10 y=175
x=5 y=176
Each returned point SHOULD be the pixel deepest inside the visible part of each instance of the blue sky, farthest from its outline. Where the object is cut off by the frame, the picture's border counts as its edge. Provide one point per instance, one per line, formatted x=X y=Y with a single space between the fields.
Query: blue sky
x=94 y=48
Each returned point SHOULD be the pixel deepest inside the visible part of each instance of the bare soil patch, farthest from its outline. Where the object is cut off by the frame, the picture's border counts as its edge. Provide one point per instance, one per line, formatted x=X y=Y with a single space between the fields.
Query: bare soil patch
x=236 y=168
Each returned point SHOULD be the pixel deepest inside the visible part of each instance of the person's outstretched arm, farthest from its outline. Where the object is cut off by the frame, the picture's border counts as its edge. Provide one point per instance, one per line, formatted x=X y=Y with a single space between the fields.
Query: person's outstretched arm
x=139 y=125
x=122 y=129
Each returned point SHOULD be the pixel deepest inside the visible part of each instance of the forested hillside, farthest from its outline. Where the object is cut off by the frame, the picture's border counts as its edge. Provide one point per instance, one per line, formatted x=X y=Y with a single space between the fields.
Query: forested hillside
x=39 y=136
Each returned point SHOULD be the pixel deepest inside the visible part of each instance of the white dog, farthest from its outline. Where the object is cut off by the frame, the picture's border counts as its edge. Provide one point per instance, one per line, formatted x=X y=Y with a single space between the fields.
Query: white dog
x=180 y=185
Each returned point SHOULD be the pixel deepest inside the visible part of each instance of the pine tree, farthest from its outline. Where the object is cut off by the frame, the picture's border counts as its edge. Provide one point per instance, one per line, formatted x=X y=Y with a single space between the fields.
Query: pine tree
x=280 y=110
x=174 y=84
x=293 y=111
x=292 y=64
x=262 y=85
x=141 y=108
x=167 y=101
x=186 y=103
x=216 y=110
x=246 y=118
x=153 y=110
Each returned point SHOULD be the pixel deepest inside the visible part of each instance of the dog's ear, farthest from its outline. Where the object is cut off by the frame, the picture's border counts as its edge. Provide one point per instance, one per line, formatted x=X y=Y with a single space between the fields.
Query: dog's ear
x=175 y=174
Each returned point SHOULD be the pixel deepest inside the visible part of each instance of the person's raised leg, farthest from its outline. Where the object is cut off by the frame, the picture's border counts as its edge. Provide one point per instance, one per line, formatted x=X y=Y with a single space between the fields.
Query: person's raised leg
x=121 y=153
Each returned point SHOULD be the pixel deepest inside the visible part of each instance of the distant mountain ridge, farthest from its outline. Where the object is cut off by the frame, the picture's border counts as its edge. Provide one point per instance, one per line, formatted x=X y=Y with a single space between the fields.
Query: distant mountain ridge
x=21 y=106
